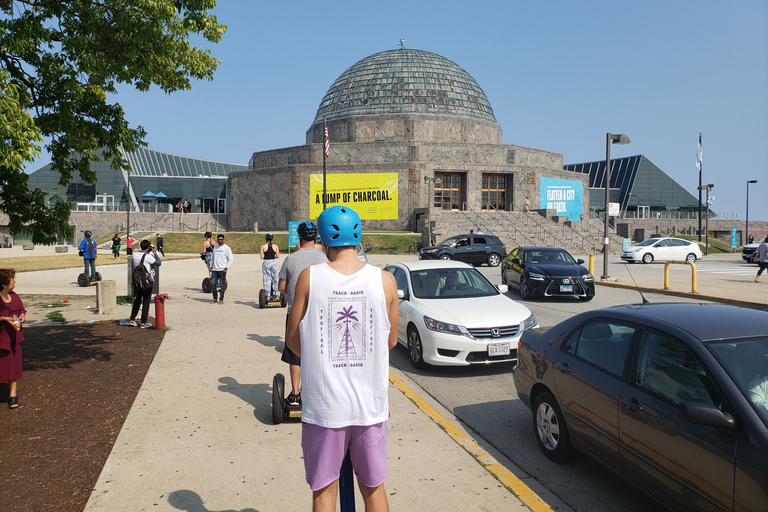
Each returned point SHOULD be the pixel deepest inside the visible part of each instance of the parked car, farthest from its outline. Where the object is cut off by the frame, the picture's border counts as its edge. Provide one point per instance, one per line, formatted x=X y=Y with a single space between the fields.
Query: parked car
x=474 y=249
x=451 y=315
x=748 y=251
x=663 y=249
x=673 y=397
x=547 y=272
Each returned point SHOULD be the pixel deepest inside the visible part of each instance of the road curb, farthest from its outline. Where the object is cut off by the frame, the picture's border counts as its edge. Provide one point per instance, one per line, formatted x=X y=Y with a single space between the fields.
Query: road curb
x=507 y=479
x=700 y=296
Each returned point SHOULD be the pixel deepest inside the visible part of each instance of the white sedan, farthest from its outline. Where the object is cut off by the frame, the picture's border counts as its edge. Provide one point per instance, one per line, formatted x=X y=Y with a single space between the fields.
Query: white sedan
x=663 y=249
x=451 y=315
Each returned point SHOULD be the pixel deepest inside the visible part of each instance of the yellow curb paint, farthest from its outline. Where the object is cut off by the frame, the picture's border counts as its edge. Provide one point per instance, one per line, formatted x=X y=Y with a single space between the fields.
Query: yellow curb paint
x=510 y=481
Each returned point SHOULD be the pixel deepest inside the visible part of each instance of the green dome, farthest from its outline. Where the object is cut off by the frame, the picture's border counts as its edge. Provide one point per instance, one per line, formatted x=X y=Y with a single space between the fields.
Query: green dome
x=405 y=82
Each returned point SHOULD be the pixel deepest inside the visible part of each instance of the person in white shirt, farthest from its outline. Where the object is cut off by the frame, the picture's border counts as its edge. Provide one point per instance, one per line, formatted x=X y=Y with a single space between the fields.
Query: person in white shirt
x=142 y=297
x=220 y=263
x=342 y=324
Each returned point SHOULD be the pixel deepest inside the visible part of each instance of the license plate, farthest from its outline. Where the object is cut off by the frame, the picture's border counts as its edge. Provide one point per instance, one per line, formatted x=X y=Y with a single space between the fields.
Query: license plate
x=498 y=349
x=294 y=414
x=566 y=288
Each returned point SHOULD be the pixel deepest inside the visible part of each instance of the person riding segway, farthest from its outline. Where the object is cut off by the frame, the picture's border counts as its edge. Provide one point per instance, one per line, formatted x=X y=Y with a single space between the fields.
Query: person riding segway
x=88 y=250
x=269 y=296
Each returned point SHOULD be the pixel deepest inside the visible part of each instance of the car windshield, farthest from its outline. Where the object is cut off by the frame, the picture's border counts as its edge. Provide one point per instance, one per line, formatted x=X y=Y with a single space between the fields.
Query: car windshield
x=549 y=257
x=746 y=361
x=450 y=283
x=450 y=241
x=648 y=242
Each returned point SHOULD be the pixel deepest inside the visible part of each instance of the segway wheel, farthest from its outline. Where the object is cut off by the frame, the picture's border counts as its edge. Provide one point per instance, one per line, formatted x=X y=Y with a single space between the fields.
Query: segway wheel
x=262 y=299
x=283 y=301
x=82 y=280
x=98 y=276
x=278 y=388
x=207 y=285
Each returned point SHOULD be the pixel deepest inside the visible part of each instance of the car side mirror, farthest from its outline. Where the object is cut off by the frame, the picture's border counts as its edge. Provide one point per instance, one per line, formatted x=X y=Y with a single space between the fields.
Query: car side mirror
x=400 y=294
x=705 y=414
x=503 y=288
x=580 y=261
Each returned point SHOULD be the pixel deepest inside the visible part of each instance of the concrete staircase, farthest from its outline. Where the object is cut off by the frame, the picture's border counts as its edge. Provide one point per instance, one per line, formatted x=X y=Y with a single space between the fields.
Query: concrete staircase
x=518 y=228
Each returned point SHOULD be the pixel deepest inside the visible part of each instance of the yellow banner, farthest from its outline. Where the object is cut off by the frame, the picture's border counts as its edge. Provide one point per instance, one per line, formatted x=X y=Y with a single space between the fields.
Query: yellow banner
x=371 y=195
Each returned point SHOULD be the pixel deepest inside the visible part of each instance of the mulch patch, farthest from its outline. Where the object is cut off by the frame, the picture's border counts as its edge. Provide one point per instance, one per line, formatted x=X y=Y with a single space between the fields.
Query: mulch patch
x=79 y=383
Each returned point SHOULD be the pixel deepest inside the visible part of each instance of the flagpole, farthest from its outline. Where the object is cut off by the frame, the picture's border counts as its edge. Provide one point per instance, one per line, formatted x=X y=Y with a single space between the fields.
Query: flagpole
x=698 y=160
x=325 y=155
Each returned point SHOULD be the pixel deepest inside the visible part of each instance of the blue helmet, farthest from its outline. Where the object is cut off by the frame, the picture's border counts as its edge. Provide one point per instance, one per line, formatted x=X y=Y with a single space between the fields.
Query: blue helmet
x=268 y=237
x=340 y=226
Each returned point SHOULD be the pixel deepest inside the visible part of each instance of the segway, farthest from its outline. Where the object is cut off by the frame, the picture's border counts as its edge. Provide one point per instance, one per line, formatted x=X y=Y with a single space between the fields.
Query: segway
x=266 y=302
x=207 y=285
x=82 y=279
x=281 y=409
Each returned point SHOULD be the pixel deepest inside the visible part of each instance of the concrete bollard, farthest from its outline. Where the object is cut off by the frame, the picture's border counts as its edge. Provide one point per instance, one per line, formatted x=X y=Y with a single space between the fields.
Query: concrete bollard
x=106 y=297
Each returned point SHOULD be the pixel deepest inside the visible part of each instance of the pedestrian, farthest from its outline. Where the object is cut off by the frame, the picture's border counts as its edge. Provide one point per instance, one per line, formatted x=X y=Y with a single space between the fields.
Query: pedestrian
x=761 y=257
x=12 y=317
x=147 y=256
x=305 y=256
x=527 y=204
x=433 y=237
x=180 y=207
x=471 y=231
x=186 y=206
x=342 y=324
x=116 y=246
x=159 y=244
x=207 y=252
x=750 y=239
x=88 y=252
x=220 y=262
x=478 y=232
x=270 y=253
x=129 y=244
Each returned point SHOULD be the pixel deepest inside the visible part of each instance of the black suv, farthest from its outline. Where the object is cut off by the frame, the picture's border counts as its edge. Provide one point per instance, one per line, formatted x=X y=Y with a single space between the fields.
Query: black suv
x=474 y=249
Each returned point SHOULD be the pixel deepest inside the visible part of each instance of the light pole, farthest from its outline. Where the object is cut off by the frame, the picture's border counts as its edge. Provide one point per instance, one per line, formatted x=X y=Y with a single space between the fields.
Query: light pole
x=430 y=202
x=610 y=138
x=746 y=235
x=709 y=200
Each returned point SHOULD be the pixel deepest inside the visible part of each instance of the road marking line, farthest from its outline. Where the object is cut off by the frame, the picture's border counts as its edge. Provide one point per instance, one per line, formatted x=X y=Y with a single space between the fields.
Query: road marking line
x=510 y=481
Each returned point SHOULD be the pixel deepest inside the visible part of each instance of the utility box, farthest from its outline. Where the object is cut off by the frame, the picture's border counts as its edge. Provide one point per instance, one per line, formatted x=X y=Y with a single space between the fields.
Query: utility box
x=106 y=297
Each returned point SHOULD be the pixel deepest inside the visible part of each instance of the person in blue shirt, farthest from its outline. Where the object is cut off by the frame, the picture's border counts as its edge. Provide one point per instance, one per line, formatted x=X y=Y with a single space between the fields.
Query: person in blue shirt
x=88 y=252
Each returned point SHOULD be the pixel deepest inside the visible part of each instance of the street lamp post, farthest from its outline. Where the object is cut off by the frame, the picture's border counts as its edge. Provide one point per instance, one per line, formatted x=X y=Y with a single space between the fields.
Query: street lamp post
x=746 y=234
x=430 y=202
x=610 y=138
x=708 y=201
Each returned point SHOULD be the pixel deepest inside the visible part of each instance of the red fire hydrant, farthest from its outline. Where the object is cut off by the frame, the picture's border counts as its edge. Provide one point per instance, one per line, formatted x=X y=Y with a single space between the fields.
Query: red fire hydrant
x=160 y=299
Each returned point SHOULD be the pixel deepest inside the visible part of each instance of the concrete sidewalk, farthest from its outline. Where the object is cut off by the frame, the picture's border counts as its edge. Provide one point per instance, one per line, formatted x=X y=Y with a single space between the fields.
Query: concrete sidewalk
x=200 y=435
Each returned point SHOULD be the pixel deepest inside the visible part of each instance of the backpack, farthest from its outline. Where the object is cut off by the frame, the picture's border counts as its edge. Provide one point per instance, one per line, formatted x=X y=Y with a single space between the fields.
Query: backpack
x=142 y=279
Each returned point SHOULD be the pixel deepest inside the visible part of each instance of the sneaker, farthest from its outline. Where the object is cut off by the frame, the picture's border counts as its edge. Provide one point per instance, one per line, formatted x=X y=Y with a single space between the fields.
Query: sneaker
x=131 y=323
x=294 y=399
x=146 y=326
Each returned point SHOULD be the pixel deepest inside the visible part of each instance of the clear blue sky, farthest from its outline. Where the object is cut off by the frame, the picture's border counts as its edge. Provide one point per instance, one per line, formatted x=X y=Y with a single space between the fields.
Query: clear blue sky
x=558 y=74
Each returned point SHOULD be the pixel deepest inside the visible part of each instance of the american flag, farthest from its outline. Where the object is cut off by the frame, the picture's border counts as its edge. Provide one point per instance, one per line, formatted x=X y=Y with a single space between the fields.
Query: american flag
x=698 y=155
x=326 y=140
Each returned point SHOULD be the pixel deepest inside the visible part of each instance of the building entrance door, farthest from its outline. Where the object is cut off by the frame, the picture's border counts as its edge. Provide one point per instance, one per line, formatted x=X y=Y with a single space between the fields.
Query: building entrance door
x=643 y=212
x=447 y=191
x=494 y=192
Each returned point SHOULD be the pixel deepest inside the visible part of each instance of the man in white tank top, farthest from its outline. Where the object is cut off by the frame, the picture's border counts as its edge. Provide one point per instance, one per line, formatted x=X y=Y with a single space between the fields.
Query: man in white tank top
x=343 y=323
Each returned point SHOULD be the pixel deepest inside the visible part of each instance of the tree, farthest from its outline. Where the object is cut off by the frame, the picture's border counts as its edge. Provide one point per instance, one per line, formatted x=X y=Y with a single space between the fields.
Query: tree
x=59 y=60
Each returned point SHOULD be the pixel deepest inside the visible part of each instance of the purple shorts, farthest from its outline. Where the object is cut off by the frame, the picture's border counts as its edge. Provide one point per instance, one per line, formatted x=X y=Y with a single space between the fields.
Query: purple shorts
x=324 y=450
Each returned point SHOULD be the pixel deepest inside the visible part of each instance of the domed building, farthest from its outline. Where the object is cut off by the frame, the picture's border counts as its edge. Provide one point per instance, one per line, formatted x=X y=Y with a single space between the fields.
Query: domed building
x=415 y=129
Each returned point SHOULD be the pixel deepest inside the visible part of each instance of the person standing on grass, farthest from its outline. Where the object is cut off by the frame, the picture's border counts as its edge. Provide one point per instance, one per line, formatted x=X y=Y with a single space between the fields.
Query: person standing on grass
x=342 y=324
x=159 y=244
x=220 y=263
x=761 y=257
x=116 y=246
x=12 y=317
x=129 y=245
x=148 y=257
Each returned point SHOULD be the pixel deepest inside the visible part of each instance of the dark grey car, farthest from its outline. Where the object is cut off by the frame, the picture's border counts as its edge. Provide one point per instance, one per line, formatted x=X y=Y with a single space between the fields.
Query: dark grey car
x=674 y=397
x=472 y=249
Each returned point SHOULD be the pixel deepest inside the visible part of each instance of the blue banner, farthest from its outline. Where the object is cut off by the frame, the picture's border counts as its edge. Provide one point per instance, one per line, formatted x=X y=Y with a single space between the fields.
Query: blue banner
x=563 y=196
x=293 y=235
x=733 y=236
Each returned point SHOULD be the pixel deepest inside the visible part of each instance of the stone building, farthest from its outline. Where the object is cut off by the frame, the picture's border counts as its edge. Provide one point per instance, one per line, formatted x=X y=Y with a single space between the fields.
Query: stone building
x=411 y=113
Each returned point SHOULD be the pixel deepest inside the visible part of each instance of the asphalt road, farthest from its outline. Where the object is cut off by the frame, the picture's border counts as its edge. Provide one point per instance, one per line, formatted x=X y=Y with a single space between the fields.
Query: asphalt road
x=484 y=399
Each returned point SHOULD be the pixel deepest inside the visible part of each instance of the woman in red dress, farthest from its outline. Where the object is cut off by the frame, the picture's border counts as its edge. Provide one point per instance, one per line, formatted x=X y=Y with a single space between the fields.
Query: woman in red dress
x=12 y=315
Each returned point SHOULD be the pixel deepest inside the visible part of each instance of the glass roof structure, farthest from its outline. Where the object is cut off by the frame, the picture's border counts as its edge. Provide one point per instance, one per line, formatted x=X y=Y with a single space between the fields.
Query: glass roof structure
x=405 y=82
x=635 y=181
x=148 y=162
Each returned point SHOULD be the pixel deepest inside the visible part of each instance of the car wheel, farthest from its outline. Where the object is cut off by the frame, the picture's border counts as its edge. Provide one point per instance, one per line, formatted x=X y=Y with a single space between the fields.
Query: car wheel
x=691 y=257
x=494 y=260
x=415 y=348
x=446 y=257
x=523 y=290
x=550 y=428
x=647 y=258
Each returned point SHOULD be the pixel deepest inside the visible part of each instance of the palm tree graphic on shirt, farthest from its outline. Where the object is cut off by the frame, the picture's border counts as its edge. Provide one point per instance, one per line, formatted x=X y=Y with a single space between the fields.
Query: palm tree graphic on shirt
x=346 y=317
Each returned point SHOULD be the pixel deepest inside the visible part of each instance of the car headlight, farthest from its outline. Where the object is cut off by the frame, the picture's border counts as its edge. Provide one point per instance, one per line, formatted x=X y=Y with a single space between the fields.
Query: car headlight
x=534 y=275
x=428 y=250
x=437 y=325
x=529 y=323
x=637 y=249
x=588 y=277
